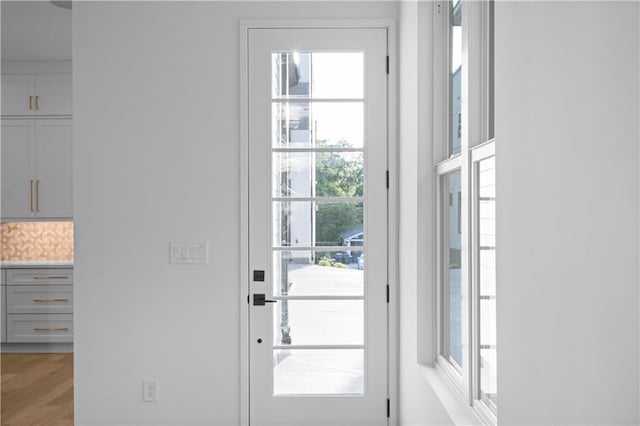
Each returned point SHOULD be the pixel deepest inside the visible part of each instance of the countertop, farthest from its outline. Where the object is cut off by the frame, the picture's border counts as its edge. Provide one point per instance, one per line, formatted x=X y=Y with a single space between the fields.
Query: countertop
x=37 y=264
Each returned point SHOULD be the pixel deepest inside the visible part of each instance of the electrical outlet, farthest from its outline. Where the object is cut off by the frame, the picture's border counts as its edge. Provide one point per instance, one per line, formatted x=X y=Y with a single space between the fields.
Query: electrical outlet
x=150 y=390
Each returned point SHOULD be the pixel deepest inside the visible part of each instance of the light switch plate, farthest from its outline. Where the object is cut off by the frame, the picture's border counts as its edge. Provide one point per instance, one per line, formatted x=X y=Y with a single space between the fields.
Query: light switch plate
x=189 y=253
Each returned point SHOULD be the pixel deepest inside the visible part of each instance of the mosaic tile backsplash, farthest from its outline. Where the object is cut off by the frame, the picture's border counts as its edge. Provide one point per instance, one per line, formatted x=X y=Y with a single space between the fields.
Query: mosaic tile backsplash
x=36 y=241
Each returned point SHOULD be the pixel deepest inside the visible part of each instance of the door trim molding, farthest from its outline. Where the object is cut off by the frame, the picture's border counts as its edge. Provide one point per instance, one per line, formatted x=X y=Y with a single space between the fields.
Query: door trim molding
x=392 y=158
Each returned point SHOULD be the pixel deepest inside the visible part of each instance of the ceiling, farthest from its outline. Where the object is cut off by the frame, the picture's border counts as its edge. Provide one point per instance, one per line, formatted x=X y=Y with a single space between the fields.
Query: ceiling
x=35 y=30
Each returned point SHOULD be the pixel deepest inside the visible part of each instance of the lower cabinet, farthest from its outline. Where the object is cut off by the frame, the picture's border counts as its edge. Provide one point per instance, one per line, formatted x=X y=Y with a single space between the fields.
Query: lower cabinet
x=25 y=328
x=39 y=305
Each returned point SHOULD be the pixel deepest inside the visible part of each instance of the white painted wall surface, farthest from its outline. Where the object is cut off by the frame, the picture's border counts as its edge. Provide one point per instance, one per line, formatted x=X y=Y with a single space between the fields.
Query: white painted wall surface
x=567 y=212
x=418 y=404
x=156 y=159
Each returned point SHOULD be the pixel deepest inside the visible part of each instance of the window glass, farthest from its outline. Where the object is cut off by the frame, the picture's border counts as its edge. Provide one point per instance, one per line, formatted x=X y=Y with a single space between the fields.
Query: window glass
x=452 y=278
x=491 y=71
x=455 y=119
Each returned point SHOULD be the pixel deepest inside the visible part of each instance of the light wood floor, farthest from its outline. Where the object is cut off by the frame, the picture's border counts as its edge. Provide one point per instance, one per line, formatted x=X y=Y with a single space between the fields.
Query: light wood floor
x=37 y=389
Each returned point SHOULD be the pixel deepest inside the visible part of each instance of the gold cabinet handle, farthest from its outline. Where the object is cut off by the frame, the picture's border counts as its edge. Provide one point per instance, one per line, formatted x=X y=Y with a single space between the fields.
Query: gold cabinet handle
x=31 y=195
x=30 y=103
x=37 y=194
x=50 y=277
x=48 y=300
x=51 y=329
x=37 y=102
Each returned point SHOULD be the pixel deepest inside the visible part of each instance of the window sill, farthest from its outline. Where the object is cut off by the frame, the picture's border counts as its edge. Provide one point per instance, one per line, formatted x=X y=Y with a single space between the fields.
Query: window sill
x=455 y=406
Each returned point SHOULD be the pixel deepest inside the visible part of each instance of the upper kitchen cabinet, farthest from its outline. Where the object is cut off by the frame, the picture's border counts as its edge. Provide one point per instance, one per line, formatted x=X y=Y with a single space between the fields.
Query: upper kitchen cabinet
x=17 y=94
x=36 y=94
x=18 y=167
x=36 y=169
x=53 y=195
x=36 y=142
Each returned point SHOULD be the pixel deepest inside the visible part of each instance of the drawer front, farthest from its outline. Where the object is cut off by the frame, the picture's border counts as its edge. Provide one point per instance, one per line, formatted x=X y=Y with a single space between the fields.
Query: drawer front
x=39 y=276
x=3 y=322
x=39 y=299
x=3 y=277
x=22 y=328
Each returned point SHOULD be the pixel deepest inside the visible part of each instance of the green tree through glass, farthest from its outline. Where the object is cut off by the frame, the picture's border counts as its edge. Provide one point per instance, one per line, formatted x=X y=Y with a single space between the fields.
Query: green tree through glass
x=338 y=174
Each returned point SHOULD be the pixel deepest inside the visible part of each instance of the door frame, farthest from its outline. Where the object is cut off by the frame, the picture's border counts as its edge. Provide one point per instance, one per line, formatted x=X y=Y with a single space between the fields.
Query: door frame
x=392 y=228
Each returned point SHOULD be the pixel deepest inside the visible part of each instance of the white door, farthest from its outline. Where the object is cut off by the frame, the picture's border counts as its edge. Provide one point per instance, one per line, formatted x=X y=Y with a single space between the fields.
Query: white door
x=18 y=168
x=318 y=226
x=53 y=186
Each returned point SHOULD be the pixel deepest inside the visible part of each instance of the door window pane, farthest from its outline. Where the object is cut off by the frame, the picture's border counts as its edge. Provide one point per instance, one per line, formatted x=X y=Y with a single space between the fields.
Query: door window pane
x=304 y=124
x=318 y=75
x=338 y=75
x=314 y=224
x=319 y=273
x=318 y=371
x=318 y=322
x=291 y=124
x=318 y=174
x=291 y=77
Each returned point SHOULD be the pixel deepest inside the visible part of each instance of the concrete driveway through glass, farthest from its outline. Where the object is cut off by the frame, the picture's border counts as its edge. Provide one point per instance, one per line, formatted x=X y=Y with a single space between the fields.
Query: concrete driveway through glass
x=334 y=322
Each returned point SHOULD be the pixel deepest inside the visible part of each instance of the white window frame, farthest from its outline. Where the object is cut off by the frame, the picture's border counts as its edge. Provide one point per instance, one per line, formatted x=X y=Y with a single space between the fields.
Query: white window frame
x=446 y=164
x=476 y=104
x=479 y=153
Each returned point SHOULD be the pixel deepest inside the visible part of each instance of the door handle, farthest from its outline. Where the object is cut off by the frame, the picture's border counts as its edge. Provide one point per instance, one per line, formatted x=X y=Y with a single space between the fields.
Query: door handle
x=50 y=277
x=37 y=102
x=48 y=300
x=260 y=299
x=37 y=195
x=30 y=103
x=31 y=196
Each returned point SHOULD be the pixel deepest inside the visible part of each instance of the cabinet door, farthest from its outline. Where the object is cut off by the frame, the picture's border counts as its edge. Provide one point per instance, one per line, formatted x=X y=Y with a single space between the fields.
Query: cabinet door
x=18 y=168
x=3 y=298
x=16 y=90
x=53 y=187
x=54 y=94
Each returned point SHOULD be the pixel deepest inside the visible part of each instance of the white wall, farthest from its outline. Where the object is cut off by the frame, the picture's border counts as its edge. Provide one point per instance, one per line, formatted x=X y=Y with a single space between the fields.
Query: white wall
x=156 y=159
x=567 y=212
x=418 y=403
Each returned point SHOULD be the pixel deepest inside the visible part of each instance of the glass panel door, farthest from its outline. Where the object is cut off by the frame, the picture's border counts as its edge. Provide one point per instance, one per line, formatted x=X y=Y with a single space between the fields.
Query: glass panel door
x=318 y=226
